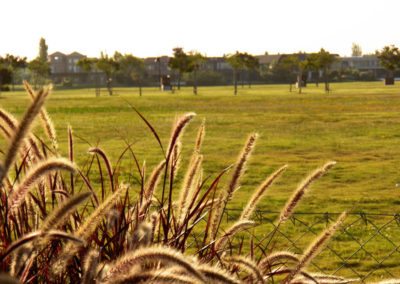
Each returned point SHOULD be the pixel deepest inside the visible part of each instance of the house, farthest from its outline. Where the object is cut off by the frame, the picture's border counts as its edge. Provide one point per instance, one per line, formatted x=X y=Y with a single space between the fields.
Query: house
x=267 y=61
x=64 y=67
x=157 y=66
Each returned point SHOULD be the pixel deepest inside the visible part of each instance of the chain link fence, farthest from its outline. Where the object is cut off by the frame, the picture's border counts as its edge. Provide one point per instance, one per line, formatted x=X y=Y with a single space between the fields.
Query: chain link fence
x=366 y=247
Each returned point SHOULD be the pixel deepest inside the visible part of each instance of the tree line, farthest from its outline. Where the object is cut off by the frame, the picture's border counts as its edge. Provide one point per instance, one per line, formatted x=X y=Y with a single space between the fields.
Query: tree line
x=291 y=68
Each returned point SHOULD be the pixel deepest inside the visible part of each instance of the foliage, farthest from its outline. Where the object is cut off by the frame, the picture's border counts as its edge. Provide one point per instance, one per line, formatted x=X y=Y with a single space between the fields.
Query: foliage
x=238 y=62
x=195 y=60
x=109 y=66
x=5 y=78
x=39 y=66
x=325 y=61
x=389 y=58
x=40 y=71
x=181 y=62
x=86 y=64
x=131 y=66
x=292 y=68
x=43 y=50
x=356 y=49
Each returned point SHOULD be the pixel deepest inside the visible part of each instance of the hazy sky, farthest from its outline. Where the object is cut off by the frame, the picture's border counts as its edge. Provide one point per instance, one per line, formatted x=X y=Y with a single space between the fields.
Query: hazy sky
x=213 y=27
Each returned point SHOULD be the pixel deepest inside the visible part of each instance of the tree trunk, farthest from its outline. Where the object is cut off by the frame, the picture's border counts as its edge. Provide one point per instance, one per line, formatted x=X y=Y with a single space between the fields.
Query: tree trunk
x=179 y=80
x=317 y=79
x=195 y=82
x=12 y=82
x=109 y=86
x=300 y=81
x=249 y=78
x=96 y=84
x=389 y=80
x=326 y=81
x=235 y=82
x=140 y=86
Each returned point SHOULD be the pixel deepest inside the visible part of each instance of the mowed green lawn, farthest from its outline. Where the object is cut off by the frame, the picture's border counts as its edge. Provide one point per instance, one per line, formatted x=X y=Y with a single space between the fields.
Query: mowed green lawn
x=357 y=125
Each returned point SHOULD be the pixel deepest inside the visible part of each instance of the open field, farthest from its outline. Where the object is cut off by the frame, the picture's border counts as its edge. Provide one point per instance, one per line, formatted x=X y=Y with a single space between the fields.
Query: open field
x=357 y=125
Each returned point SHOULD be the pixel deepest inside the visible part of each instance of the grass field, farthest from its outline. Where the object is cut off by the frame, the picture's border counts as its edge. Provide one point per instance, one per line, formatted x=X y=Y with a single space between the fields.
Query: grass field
x=357 y=125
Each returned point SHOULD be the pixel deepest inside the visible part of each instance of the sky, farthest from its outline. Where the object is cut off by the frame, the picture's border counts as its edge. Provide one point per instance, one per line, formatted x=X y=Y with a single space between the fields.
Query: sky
x=213 y=27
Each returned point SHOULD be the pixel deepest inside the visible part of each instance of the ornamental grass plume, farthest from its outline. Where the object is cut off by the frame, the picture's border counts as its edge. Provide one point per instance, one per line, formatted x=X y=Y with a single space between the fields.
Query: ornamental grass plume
x=315 y=247
x=237 y=227
x=187 y=190
x=87 y=228
x=259 y=193
x=59 y=215
x=301 y=189
x=266 y=264
x=154 y=254
x=226 y=194
x=90 y=265
x=48 y=124
x=153 y=277
x=247 y=265
x=22 y=131
x=177 y=131
x=217 y=275
x=200 y=136
x=18 y=195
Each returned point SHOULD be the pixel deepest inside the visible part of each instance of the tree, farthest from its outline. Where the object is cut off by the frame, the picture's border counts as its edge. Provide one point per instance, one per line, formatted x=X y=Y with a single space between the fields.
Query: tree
x=40 y=71
x=39 y=66
x=195 y=59
x=43 y=50
x=356 y=49
x=302 y=66
x=109 y=66
x=180 y=63
x=288 y=68
x=314 y=65
x=325 y=61
x=389 y=58
x=251 y=64
x=5 y=76
x=13 y=64
x=88 y=65
x=237 y=62
x=133 y=67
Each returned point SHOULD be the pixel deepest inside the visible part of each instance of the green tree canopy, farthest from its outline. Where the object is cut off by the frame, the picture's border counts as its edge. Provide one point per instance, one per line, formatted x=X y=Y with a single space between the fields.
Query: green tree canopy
x=12 y=64
x=356 y=49
x=179 y=62
x=43 y=50
x=195 y=59
x=389 y=57
x=39 y=66
x=109 y=65
x=132 y=66
x=238 y=62
x=325 y=61
x=86 y=64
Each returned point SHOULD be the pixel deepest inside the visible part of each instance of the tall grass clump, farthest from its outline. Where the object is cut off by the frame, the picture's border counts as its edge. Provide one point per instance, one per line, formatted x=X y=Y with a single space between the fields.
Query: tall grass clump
x=58 y=227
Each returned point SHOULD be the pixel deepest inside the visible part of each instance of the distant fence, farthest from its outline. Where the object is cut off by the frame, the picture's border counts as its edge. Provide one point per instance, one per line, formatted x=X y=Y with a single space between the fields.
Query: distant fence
x=367 y=246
